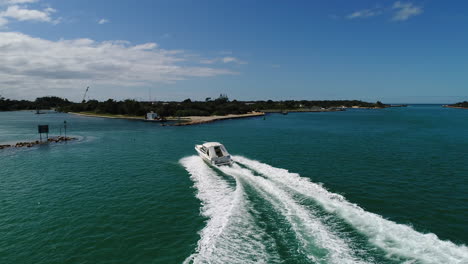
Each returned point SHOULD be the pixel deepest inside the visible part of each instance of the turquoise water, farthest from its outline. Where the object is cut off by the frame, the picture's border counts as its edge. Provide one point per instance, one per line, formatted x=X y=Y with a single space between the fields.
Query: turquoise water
x=361 y=186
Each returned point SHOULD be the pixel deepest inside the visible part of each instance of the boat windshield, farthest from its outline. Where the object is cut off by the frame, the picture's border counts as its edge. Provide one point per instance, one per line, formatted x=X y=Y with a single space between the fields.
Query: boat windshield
x=218 y=151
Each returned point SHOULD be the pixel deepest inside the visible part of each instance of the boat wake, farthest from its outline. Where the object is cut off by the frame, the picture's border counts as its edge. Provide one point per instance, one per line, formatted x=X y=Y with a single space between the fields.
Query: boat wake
x=230 y=235
x=233 y=234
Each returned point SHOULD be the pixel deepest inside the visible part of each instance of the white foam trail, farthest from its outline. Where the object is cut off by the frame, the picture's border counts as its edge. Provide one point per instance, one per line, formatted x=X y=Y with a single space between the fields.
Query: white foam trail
x=308 y=229
x=230 y=235
x=397 y=240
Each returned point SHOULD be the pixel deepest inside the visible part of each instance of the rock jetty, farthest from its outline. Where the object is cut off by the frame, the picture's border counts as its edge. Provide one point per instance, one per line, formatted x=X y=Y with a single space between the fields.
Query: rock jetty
x=37 y=142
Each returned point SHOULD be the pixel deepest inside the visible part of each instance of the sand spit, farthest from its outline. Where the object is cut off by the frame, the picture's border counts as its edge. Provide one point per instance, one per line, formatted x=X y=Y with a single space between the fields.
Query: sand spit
x=195 y=120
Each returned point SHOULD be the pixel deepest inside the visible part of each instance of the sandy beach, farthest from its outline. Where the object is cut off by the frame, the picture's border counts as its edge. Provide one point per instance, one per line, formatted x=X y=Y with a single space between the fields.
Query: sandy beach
x=177 y=121
x=108 y=116
x=458 y=107
x=305 y=110
x=195 y=120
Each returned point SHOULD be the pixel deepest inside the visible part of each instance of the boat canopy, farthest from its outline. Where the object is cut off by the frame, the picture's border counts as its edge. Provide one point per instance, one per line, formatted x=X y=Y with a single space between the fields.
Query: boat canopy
x=215 y=153
x=214 y=150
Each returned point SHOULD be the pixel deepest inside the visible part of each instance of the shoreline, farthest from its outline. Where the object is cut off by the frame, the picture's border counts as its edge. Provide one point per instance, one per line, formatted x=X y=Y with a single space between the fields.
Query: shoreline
x=182 y=121
x=309 y=110
x=196 y=120
x=457 y=107
x=108 y=116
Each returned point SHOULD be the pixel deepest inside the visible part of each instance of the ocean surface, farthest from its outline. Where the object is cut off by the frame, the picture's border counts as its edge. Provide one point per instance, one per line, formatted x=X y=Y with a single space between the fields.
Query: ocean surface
x=360 y=186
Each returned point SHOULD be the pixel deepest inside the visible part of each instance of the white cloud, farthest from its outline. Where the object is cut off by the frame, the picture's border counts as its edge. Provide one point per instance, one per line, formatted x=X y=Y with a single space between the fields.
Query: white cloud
x=228 y=59
x=50 y=10
x=15 y=2
x=364 y=13
x=23 y=13
x=34 y=66
x=146 y=46
x=400 y=11
x=103 y=21
x=404 y=11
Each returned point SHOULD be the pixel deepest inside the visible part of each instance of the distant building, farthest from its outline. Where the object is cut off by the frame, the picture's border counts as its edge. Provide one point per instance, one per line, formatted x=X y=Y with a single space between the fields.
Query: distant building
x=152 y=116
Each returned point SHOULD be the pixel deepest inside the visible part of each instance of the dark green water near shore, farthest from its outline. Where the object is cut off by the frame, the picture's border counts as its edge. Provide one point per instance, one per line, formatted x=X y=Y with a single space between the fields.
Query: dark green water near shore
x=360 y=186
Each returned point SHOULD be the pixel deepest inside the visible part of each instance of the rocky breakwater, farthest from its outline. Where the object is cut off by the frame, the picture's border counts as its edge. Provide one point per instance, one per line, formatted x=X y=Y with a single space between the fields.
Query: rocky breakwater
x=37 y=142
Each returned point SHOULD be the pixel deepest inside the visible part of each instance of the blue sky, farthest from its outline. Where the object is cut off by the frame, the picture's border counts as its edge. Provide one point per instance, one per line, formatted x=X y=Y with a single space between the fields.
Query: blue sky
x=394 y=51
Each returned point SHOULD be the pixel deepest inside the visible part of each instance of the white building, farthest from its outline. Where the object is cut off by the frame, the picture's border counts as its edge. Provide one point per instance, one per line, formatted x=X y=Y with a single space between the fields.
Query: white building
x=152 y=116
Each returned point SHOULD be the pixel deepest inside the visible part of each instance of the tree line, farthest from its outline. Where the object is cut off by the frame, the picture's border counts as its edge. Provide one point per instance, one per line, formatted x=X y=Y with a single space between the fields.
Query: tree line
x=48 y=102
x=219 y=106
x=461 y=104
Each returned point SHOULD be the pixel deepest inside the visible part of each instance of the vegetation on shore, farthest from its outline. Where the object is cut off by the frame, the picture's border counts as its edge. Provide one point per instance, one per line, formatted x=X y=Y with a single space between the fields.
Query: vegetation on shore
x=461 y=104
x=48 y=102
x=220 y=106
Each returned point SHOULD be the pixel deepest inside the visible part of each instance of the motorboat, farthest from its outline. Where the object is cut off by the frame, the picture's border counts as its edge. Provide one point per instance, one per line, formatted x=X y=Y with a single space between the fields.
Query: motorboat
x=214 y=153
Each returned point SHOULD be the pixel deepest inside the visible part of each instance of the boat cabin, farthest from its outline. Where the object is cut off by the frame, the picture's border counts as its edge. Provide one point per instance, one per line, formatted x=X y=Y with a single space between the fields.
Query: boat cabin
x=215 y=153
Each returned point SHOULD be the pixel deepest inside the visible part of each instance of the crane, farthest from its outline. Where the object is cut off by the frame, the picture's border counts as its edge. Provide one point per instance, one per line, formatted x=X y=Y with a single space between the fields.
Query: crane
x=84 y=96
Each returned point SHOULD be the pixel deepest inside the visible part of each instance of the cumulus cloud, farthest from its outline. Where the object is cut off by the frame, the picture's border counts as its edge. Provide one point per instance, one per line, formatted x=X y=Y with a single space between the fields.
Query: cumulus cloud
x=22 y=13
x=35 y=66
x=404 y=11
x=103 y=21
